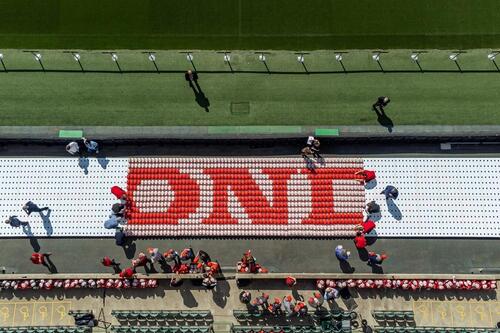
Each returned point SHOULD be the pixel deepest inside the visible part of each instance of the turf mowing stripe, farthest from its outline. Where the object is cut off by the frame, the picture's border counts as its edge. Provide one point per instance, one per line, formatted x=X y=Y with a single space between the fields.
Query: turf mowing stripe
x=70 y=133
x=254 y=130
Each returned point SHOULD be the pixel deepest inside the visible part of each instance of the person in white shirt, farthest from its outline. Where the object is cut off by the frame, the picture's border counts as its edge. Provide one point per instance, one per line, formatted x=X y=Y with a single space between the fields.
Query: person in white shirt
x=72 y=148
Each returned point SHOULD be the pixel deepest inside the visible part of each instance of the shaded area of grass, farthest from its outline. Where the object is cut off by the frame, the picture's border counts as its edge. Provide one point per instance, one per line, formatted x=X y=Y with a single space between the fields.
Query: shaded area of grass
x=249 y=24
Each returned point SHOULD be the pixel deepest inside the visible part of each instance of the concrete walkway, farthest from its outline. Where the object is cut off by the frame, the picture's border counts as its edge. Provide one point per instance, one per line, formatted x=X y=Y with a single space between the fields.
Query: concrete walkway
x=452 y=256
x=243 y=132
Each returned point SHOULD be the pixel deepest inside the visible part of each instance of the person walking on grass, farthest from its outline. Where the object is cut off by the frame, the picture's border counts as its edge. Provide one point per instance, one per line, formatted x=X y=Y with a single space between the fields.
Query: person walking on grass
x=381 y=103
x=31 y=207
x=191 y=77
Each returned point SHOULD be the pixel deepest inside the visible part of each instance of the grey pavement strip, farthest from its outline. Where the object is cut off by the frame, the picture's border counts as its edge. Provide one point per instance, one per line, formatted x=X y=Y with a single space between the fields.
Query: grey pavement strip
x=203 y=132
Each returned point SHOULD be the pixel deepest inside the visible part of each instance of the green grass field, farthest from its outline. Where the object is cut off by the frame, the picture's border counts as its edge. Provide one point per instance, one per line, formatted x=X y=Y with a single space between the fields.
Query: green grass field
x=130 y=99
x=249 y=24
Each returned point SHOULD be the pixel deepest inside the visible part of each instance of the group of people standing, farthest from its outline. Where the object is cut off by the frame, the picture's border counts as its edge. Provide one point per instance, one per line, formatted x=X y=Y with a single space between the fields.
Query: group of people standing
x=185 y=262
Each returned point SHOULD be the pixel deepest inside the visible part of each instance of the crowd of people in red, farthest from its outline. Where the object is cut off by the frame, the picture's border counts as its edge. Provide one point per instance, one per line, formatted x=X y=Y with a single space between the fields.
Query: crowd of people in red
x=248 y=264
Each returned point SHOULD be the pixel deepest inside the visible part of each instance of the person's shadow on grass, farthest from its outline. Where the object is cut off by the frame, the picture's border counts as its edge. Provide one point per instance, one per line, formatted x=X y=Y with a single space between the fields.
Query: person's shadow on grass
x=200 y=97
x=384 y=120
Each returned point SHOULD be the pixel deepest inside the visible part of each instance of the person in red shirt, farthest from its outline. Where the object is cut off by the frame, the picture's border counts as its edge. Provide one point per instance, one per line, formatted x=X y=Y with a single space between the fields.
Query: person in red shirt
x=39 y=258
x=214 y=266
x=290 y=281
x=141 y=260
x=180 y=269
x=366 y=227
x=127 y=273
x=119 y=193
x=360 y=241
x=108 y=262
x=367 y=176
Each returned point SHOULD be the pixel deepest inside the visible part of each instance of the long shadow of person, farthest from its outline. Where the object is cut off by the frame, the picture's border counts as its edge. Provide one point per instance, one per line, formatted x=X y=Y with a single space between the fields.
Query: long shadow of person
x=394 y=210
x=117 y=269
x=33 y=241
x=363 y=254
x=47 y=225
x=83 y=163
x=200 y=97
x=377 y=269
x=384 y=120
x=129 y=248
x=50 y=265
x=346 y=267
x=103 y=162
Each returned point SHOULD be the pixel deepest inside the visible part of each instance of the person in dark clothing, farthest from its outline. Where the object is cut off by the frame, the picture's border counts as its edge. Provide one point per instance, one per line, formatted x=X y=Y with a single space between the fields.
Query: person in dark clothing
x=191 y=77
x=372 y=207
x=31 y=207
x=381 y=103
x=118 y=209
x=15 y=222
x=315 y=149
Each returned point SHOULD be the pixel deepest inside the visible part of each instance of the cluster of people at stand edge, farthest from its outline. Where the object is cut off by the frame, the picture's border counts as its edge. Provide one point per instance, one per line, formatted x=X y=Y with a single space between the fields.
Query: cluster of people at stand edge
x=288 y=304
x=187 y=262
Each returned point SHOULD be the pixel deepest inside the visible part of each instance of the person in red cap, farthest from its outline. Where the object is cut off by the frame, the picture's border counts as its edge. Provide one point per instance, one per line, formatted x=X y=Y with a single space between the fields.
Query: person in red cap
x=300 y=309
x=375 y=259
x=127 y=273
x=120 y=194
x=366 y=176
x=290 y=281
x=360 y=241
x=41 y=259
x=108 y=262
x=275 y=307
